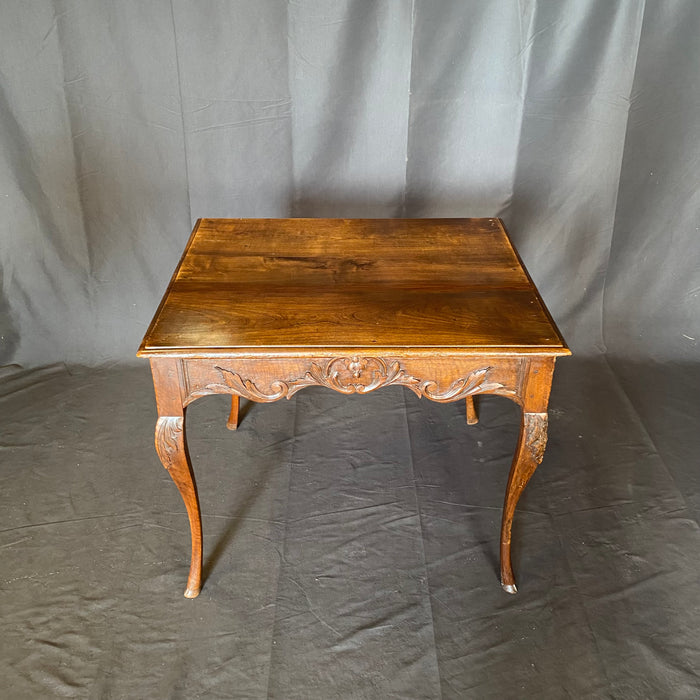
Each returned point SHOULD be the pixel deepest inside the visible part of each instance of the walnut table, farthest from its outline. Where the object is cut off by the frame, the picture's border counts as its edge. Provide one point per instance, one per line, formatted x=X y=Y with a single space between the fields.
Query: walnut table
x=262 y=308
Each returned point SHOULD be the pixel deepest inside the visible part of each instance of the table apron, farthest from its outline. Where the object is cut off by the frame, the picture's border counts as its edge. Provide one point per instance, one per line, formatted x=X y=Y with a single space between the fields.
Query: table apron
x=524 y=380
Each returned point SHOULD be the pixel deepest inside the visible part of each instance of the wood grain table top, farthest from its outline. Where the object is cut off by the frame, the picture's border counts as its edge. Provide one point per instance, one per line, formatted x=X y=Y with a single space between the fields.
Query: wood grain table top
x=252 y=287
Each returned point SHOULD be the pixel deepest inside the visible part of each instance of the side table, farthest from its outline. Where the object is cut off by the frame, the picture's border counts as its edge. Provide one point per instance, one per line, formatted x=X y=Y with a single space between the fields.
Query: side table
x=262 y=308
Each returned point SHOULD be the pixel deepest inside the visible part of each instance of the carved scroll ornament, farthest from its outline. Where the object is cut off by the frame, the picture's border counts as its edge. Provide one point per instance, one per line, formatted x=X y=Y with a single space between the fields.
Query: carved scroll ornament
x=354 y=375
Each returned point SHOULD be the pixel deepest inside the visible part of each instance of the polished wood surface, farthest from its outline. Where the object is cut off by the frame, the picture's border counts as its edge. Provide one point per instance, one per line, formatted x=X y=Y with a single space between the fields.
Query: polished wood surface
x=251 y=284
x=264 y=308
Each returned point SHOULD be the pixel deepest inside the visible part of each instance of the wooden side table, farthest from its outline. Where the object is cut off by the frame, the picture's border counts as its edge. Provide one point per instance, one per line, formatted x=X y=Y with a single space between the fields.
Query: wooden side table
x=262 y=308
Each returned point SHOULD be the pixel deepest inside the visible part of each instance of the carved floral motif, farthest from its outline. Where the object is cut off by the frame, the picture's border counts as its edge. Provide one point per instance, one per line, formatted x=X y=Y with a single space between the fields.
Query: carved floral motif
x=354 y=375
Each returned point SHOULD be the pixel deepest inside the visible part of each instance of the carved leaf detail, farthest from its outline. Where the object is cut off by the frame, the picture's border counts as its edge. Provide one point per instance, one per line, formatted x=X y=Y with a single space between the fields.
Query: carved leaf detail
x=461 y=388
x=536 y=434
x=249 y=390
x=354 y=375
x=168 y=435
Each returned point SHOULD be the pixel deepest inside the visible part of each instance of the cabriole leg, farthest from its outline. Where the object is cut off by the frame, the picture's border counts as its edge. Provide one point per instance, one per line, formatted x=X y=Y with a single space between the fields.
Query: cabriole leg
x=171 y=445
x=528 y=454
x=172 y=450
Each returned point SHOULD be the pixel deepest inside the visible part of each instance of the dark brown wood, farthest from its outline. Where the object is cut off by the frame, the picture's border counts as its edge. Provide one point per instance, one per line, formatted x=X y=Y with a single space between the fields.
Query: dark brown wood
x=295 y=283
x=262 y=308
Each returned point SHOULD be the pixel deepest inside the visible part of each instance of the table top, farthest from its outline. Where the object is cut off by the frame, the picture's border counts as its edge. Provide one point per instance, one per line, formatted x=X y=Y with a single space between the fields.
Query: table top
x=259 y=287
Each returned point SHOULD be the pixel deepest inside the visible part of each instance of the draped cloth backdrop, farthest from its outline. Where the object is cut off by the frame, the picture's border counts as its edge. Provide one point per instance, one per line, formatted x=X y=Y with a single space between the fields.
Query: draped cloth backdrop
x=121 y=123
x=338 y=566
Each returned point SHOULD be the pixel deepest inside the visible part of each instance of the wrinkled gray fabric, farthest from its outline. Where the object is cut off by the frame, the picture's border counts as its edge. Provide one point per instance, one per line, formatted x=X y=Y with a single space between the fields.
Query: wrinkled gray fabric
x=351 y=548
x=351 y=543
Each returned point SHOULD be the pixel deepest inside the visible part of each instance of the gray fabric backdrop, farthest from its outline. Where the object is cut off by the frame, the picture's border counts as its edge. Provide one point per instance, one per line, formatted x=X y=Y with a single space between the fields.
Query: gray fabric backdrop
x=121 y=123
x=337 y=567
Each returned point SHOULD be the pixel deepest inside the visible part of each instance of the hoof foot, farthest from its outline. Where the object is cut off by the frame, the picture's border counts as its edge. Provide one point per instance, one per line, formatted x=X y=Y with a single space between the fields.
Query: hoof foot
x=191 y=592
x=509 y=588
